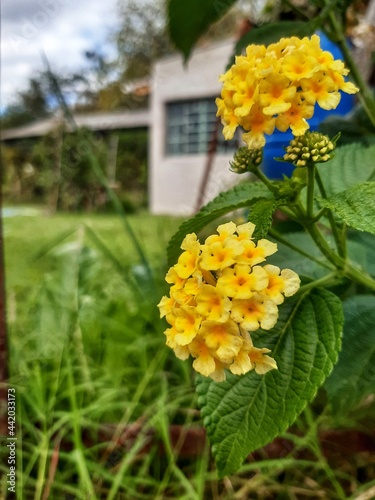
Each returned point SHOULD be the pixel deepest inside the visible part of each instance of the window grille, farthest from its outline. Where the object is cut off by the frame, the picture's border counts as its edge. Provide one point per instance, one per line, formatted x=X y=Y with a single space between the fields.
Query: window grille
x=190 y=125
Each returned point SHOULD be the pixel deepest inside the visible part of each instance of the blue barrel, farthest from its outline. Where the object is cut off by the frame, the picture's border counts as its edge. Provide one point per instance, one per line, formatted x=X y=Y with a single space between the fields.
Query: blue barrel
x=275 y=142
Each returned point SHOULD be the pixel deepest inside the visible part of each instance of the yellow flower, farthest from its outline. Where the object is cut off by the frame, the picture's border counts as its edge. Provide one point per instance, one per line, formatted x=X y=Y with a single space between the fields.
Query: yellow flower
x=240 y=282
x=241 y=363
x=245 y=231
x=220 y=255
x=278 y=86
x=174 y=279
x=187 y=324
x=225 y=232
x=218 y=294
x=166 y=305
x=182 y=352
x=280 y=284
x=259 y=124
x=261 y=362
x=321 y=89
x=252 y=314
x=256 y=253
x=299 y=64
x=276 y=94
x=194 y=284
x=204 y=362
x=295 y=117
x=222 y=338
x=213 y=304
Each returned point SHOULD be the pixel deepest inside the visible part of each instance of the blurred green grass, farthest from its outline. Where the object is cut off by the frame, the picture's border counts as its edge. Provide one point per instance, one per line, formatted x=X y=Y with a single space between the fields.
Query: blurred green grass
x=87 y=350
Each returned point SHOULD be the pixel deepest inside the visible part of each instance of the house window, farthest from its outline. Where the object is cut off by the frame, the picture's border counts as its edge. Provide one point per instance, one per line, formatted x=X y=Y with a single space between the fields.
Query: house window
x=190 y=127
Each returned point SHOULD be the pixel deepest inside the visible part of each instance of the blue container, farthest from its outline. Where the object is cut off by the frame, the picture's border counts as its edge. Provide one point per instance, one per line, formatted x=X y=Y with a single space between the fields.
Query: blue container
x=275 y=142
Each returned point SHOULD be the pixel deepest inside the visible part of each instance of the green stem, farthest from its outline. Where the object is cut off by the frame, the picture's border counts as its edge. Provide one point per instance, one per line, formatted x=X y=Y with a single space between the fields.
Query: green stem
x=328 y=280
x=287 y=243
x=323 y=246
x=359 y=276
x=365 y=95
x=341 y=264
x=310 y=190
x=319 y=215
x=340 y=242
x=296 y=9
x=315 y=447
x=263 y=178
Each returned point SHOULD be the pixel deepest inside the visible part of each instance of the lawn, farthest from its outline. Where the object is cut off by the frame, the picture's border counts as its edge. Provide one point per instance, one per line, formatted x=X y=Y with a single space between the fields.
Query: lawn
x=87 y=354
x=102 y=404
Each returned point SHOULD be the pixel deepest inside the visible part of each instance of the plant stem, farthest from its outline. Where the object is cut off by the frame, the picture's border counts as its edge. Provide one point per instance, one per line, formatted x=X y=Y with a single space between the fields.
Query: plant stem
x=314 y=444
x=263 y=178
x=347 y=269
x=323 y=246
x=359 y=276
x=340 y=243
x=329 y=279
x=287 y=243
x=310 y=190
x=365 y=95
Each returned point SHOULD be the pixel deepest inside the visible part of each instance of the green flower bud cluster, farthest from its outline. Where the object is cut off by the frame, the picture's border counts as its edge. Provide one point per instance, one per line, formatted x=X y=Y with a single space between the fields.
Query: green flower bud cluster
x=246 y=160
x=310 y=148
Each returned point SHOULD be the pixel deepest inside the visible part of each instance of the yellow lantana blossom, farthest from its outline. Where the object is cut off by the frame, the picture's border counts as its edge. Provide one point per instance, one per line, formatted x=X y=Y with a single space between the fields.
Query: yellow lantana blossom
x=278 y=86
x=219 y=293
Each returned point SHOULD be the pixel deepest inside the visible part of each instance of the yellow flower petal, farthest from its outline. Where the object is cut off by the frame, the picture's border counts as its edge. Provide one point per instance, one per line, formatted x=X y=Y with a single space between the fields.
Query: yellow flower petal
x=213 y=304
x=262 y=363
x=222 y=338
x=252 y=314
x=242 y=281
x=187 y=324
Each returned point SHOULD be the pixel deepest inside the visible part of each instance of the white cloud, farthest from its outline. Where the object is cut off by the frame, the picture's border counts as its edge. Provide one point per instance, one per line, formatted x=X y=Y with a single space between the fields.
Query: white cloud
x=63 y=29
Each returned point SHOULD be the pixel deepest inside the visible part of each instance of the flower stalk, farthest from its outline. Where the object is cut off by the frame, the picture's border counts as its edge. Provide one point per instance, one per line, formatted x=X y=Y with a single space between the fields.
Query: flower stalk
x=365 y=94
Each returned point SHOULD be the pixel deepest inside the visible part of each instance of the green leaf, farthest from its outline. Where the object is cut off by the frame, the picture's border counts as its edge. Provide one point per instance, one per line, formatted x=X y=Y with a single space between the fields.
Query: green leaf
x=272 y=32
x=355 y=206
x=351 y=130
x=187 y=21
x=351 y=165
x=354 y=375
x=240 y=196
x=261 y=215
x=244 y=413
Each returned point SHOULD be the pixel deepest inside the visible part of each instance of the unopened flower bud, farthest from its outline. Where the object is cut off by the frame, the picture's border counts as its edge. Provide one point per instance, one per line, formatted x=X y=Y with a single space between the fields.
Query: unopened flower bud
x=312 y=147
x=246 y=160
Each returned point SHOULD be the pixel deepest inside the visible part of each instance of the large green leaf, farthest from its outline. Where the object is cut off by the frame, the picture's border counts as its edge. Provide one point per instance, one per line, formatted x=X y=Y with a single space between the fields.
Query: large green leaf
x=354 y=375
x=246 y=412
x=355 y=206
x=261 y=215
x=240 y=196
x=187 y=21
x=351 y=164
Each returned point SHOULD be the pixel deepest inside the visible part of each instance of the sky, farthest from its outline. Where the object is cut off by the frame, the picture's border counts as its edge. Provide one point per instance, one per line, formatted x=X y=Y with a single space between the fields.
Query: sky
x=63 y=29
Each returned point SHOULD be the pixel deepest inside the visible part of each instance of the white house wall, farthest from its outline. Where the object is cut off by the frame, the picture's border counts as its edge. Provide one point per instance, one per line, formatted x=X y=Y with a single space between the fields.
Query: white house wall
x=175 y=180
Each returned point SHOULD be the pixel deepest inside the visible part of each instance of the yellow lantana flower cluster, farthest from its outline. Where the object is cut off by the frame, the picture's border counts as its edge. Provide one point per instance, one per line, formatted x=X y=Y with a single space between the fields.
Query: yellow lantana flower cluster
x=278 y=86
x=219 y=293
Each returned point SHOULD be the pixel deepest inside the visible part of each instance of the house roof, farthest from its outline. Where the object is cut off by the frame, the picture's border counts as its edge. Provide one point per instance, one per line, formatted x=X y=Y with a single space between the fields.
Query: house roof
x=115 y=120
